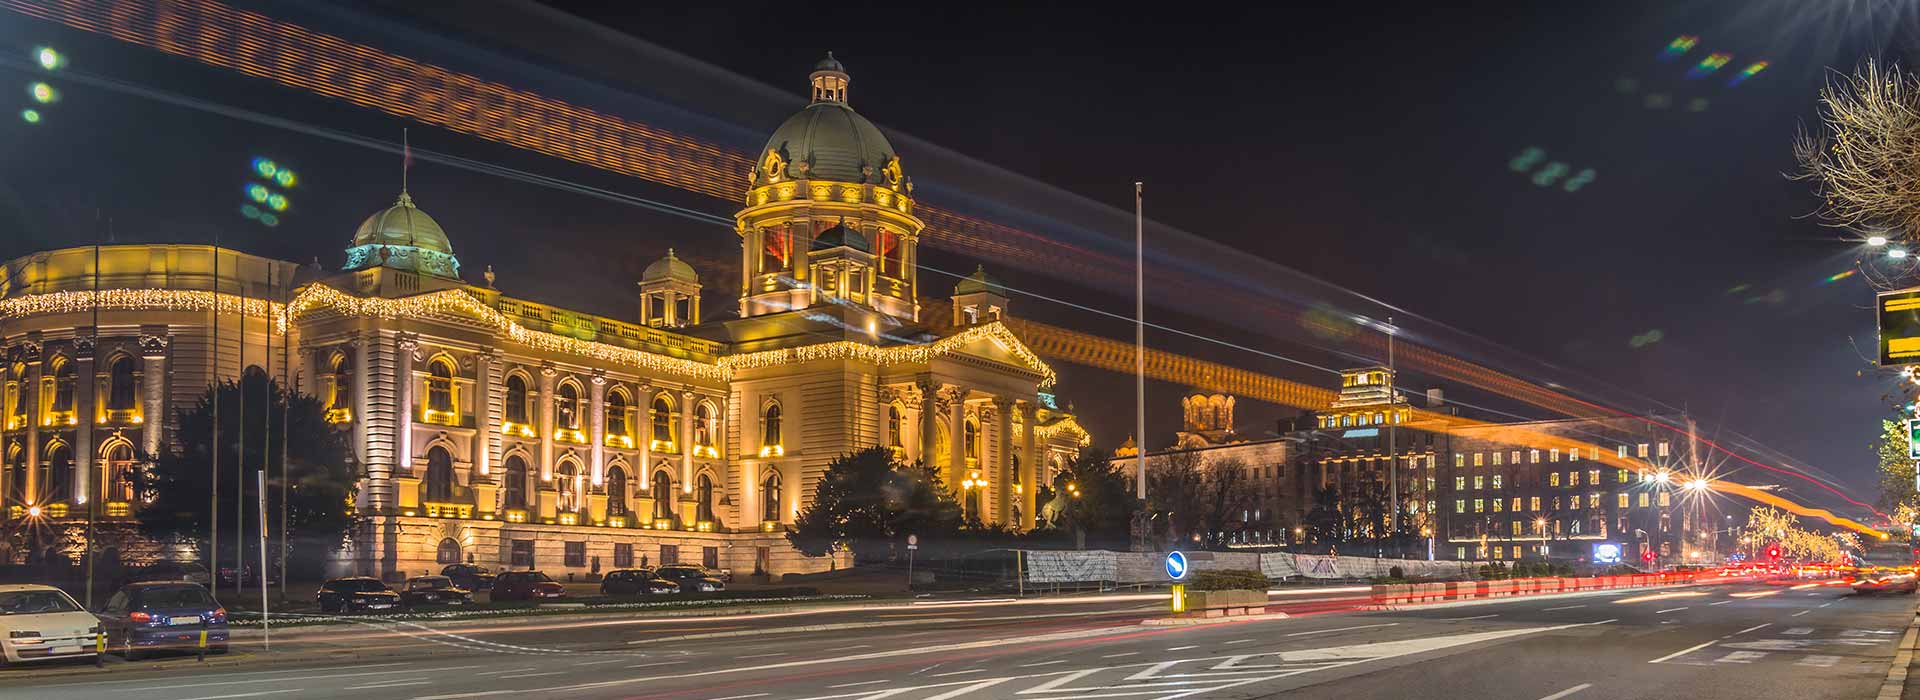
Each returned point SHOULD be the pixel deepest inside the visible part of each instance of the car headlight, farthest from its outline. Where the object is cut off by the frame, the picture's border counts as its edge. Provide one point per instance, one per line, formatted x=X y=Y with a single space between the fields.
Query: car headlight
x=22 y=634
x=93 y=630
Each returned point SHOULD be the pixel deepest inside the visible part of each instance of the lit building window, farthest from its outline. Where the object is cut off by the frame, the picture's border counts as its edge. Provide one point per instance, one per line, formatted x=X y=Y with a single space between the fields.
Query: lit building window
x=1479 y=482
x=1623 y=451
x=893 y=426
x=1664 y=449
x=703 y=500
x=1553 y=479
x=770 y=498
x=1459 y=460
x=770 y=427
x=121 y=391
x=1459 y=482
x=1496 y=459
x=1625 y=501
x=566 y=407
x=1534 y=504
x=1643 y=450
x=1593 y=477
x=662 y=418
x=616 y=420
x=1593 y=500
x=516 y=408
x=1479 y=505
x=1496 y=481
x=1623 y=476
x=705 y=427
x=1553 y=455
x=616 y=492
x=1533 y=456
x=440 y=388
x=1478 y=458
x=1643 y=500
x=1573 y=478
x=513 y=489
x=1666 y=499
x=1459 y=506
x=1496 y=504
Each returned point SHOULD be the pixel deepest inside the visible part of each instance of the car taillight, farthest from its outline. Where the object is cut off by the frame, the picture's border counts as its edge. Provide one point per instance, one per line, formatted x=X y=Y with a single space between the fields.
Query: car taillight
x=138 y=616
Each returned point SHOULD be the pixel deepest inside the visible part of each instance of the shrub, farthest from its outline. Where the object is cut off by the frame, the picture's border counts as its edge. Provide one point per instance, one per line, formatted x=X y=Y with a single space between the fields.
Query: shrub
x=1396 y=572
x=1227 y=580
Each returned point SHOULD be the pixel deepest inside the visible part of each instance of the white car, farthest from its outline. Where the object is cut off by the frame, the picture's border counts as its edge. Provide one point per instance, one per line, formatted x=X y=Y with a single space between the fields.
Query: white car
x=38 y=623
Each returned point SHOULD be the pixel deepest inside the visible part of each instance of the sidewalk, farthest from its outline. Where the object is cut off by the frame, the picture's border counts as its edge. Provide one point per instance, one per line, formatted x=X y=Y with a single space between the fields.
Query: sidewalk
x=1903 y=676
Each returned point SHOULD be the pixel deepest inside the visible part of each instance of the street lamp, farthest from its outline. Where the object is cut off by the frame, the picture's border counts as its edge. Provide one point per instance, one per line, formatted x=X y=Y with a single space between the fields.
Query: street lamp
x=1897 y=253
x=1876 y=241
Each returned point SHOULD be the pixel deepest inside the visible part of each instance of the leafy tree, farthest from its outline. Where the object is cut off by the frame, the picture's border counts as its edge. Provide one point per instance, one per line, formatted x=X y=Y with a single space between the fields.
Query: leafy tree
x=1226 y=494
x=320 y=467
x=1093 y=498
x=869 y=502
x=1897 y=494
x=1176 y=491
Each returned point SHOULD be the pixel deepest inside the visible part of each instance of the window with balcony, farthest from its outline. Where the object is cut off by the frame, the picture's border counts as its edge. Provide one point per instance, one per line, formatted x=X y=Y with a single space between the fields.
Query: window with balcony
x=566 y=407
x=513 y=492
x=339 y=389
x=662 y=418
x=973 y=440
x=703 y=498
x=439 y=481
x=440 y=408
x=662 y=495
x=61 y=403
x=706 y=425
x=566 y=485
x=893 y=425
x=616 y=408
x=122 y=389
x=516 y=408
x=119 y=474
x=770 y=436
x=616 y=492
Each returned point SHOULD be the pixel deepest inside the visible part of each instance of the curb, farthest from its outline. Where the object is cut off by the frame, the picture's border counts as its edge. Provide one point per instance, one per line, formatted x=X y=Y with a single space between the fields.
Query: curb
x=1896 y=682
x=231 y=658
x=1192 y=621
x=1517 y=598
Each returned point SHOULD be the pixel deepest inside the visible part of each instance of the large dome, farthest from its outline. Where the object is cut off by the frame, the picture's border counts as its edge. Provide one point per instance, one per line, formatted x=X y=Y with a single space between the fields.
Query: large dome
x=828 y=140
x=403 y=237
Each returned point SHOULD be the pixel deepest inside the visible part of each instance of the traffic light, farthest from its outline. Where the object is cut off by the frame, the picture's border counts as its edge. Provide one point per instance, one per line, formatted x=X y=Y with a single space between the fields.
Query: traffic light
x=1773 y=552
x=1647 y=556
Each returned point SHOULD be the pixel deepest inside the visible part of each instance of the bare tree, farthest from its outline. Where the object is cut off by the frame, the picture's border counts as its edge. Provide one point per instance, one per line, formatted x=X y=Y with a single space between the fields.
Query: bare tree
x=1865 y=160
x=1227 y=491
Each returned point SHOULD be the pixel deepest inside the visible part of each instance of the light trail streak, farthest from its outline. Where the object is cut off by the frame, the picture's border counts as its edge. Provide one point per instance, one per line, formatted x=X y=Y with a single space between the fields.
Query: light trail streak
x=1659 y=596
x=294 y=56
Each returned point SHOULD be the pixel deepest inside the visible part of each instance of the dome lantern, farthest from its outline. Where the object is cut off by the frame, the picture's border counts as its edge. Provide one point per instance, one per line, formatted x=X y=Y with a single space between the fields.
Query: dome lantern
x=829 y=80
x=669 y=294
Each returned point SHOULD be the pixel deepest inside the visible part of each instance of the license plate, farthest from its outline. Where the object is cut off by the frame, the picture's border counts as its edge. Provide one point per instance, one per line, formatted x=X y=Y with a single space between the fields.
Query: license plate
x=380 y=606
x=66 y=650
x=176 y=621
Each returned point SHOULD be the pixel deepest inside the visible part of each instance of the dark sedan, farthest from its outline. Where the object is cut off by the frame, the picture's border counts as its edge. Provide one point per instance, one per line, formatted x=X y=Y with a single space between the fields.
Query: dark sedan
x=636 y=582
x=469 y=576
x=356 y=594
x=168 y=615
x=526 y=585
x=692 y=579
x=433 y=590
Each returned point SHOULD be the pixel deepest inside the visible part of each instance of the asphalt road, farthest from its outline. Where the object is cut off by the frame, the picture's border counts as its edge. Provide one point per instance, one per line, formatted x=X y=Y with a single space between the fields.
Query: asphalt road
x=1743 y=641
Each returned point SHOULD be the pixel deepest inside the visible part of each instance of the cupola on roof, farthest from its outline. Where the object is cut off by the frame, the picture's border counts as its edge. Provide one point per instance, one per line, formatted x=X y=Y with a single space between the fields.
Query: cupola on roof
x=670 y=268
x=403 y=237
x=828 y=140
x=979 y=282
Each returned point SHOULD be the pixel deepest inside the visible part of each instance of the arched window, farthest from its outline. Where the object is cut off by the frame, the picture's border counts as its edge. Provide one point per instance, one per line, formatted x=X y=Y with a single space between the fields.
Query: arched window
x=973 y=440
x=119 y=483
x=439 y=475
x=617 y=413
x=703 y=495
x=662 y=416
x=447 y=553
x=566 y=483
x=770 y=426
x=893 y=426
x=56 y=474
x=513 y=492
x=517 y=399
x=63 y=378
x=662 y=495
x=770 y=498
x=339 y=390
x=440 y=386
x=16 y=475
x=120 y=385
x=703 y=424
x=566 y=406
x=616 y=492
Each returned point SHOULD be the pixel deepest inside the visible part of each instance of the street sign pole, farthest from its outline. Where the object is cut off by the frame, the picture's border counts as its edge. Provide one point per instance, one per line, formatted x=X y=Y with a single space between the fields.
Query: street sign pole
x=913 y=543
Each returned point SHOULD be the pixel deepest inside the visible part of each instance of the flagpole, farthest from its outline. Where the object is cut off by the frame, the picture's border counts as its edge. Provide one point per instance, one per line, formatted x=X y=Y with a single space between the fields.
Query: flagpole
x=92 y=464
x=213 y=513
x=266 y=629
x=1139 y=344
x=286 y=378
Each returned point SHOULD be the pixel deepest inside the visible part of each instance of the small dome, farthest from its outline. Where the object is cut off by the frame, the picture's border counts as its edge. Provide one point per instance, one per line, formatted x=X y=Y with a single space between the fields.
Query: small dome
x=839 y=235
x=403 y=237
x=979 y=282
x=669 y=268
x=830 y=63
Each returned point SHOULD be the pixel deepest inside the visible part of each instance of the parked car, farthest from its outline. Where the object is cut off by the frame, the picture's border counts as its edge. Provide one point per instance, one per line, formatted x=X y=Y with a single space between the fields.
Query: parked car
x=248 y=576
x=1885 y=566
x=356 y=594
x=525 y=585
x=159 y=615
x=636 y=582
x=42 y=623
x=692 y=579
x=433 y=590
x=192 y=572
x=469 y=576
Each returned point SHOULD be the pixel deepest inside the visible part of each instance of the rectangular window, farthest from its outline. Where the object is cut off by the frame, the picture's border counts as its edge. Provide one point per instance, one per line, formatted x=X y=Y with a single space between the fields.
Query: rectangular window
x=1593 y=500
x=1534 y=504
x=1643 y=499
x=576 y=554
x=1496 y=459
x=1429 y=461
x=1553 y=455
x=1479 y=505
x=1534 y=456
x=522 y=554
x=1573 y=454
x=710 y=557
x=1516 y=456
x=1496 y=481
x=1553 y=479
x=1459 y=482
x=1496 y=504
x=1623 y=476
x=1623 y=451
x=1459 y=552
x=1625 y=500
x=1478 y=459
x=1556 y=503
x=1429 y=483
x=1516 y=504
x=1479 y=482
x=1459 y=505
x=669 y=554
x=1593 y=477
x=1459 y=460
x=622 y=555
x=1643 y=450
x=1664 y=448
x=1666 y=499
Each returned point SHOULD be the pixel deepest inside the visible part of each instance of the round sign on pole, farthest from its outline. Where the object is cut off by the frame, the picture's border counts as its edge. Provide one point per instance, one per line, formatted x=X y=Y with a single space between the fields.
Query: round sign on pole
x=913 y=539
x=1176 y=565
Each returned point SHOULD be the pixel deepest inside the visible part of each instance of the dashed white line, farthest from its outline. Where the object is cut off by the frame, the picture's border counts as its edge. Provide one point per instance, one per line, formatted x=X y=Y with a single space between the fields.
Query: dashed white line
x=761 y=656
x=1236 y=641
x=1569 y=691
x=534 y=675
x=602 y=661
x=1822 y=605
x=937 y=675
x=1043 y=663
x=849 y=685
x=379 y=686
x=656 y=663
x=741 y=697
x=1463 y=619
x=1684 y=652
x=856 y=646
x=1343 y=629
x=1750 y=629
x=1128 y=653
x=1184 y=648
x=1563 y=607
x=1724 y=602
x=510 y=670
x=1803 y=612
x=1668 y=610
x=246 y=695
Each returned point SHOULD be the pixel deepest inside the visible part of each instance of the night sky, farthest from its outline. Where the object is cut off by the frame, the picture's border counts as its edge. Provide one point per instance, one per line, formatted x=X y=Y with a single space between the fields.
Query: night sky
x=1368 y=147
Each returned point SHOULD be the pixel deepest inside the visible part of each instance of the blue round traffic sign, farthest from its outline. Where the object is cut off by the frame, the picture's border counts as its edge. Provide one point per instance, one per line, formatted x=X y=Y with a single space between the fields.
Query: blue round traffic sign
x=1176 y=565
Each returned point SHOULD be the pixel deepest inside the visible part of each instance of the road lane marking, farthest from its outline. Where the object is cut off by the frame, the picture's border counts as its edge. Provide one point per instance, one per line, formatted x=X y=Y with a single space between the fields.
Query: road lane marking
x=534 y=675
x=1724 y=602
x=1128 y=653
x=1563 y=607
x=656 y=663
x=1569 y=691
x=1803 y=612
x=246 y=695
x=1750 y=629
x=849 y=685
x=761 y=656
x=856 y=646
x=1043 y=663
x=1741 y=657
x=957 y=673
x=1668 y=610
x=1184 y=648
x=1684 y=652
x=1822 y=605
x=1799 y=631
x=1236 y=641
x=1754 y=594
x=1339 y=629
x=265 y=673
x=1463 y=619
x=378 y=686
x=933 y=614
x=510 y=670
x=742 y=697
x=597 y=663
x=1820 y=660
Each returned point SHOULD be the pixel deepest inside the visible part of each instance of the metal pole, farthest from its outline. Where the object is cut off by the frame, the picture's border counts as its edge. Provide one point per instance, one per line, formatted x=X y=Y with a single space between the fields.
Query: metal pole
x=1393 y=458
x=240 y=451
x=1139 y=344
x=91 y=382
x=286 y=386
x=213 y=514
x=266 y=629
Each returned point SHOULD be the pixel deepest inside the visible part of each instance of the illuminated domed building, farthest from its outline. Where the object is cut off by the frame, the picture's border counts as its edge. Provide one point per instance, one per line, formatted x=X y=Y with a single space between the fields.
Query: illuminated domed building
x=507 y=432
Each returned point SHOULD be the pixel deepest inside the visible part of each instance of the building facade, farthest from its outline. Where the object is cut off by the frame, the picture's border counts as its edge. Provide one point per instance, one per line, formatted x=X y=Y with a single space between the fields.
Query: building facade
x=512 y=433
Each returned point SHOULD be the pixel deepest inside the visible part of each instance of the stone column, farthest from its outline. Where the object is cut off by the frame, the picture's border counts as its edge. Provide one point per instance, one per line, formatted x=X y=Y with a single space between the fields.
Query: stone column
x=547 y=375
x=486 y=434
x=403 y=405
x=1033 y=465
x=885 y=431
x=86 y=388
x=1003 y=460
x=923 y=450
x=956 y=439
x=362 y=440
x=597 y=424
x=685 y=441
x=153 y=392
